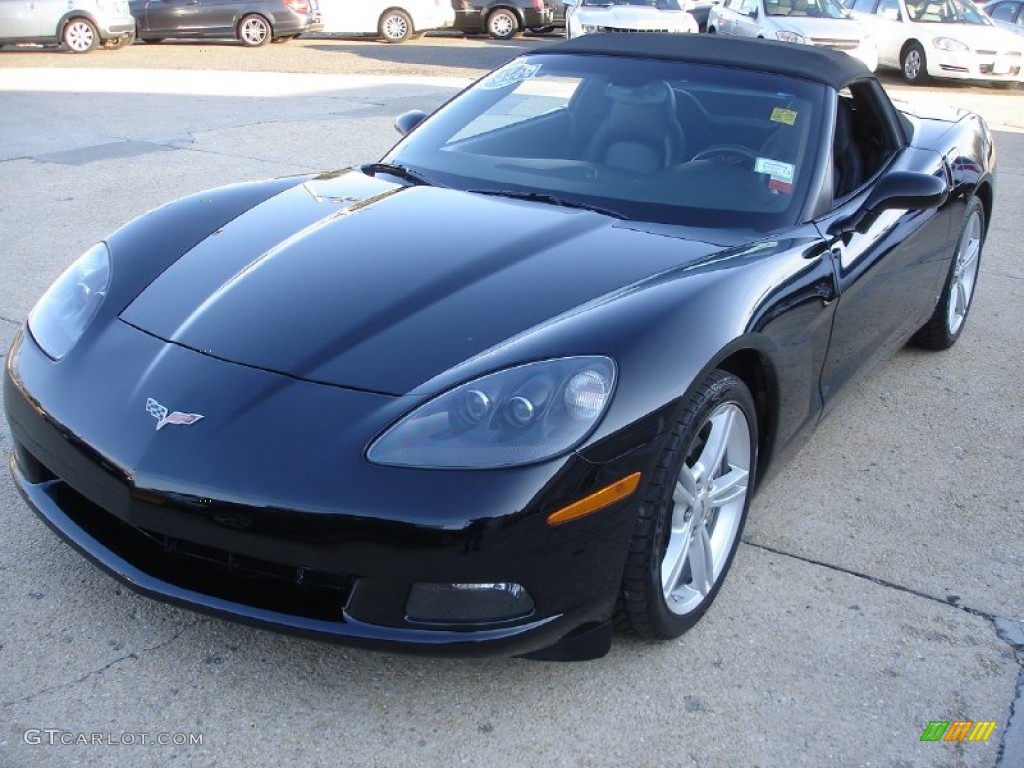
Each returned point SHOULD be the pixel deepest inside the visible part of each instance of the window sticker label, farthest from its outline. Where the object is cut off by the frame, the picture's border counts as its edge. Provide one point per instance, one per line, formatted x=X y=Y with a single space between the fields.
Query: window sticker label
x=784 y=116
x=511 y=75
x=776 y=169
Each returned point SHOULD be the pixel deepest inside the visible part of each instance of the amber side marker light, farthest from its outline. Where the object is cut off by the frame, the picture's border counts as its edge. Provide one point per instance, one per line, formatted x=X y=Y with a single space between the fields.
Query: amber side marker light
x=608 y=495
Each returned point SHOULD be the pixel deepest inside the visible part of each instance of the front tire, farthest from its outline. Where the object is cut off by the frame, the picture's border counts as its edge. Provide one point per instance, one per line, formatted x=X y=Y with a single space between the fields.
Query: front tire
x=914 y=64
x=395 y=27
x=502 y=24
x=947 y=321
x=692 y=512
x=254 y=31
x=80 y=36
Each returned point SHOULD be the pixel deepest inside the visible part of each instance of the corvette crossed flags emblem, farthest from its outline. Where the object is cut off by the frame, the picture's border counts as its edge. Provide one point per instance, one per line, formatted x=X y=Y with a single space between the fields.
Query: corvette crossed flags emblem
x=163 y=418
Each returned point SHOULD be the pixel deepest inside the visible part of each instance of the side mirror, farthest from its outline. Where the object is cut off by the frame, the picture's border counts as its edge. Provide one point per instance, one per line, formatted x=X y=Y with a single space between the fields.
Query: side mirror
x=406 y=121
x=753 y=14
x=899 y=190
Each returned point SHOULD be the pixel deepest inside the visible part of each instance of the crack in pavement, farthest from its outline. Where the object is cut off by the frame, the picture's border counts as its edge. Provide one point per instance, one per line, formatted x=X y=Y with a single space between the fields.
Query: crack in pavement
x=101 y=670
x=873 y=579
x=1009 y=631
x=9 y=320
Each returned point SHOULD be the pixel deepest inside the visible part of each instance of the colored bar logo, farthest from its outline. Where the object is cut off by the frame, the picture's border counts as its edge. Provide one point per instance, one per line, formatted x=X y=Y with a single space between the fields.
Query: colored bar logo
x=959 y=730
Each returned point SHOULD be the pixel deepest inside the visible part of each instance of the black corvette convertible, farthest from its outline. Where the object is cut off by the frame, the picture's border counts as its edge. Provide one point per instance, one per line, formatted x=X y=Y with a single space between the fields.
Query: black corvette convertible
x=516 y=381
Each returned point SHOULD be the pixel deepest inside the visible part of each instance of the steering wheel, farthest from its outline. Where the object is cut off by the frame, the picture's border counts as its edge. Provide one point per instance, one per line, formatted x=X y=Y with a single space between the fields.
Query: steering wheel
x=733 y=154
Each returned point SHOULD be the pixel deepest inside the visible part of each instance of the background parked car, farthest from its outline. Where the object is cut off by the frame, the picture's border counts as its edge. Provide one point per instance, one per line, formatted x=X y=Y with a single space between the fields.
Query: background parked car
x=393 y=22
x=502 y=19
x=941 y=38
x=251 y=22
x=80 y=25
x=558 y=20
x=809 y=22
x=1008 y=14
x=584 y=17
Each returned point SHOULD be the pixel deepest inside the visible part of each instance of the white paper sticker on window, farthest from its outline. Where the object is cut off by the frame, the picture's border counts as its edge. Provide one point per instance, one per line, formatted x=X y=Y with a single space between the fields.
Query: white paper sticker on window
x=775 y=169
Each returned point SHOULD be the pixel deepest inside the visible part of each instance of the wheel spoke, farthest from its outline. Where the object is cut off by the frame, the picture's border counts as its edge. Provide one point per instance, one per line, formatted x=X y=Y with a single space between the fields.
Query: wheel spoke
x=714 y=449
x=729 y=487
x=961 y=298
x=702 y=566
x=685 y=493
x=674 y=561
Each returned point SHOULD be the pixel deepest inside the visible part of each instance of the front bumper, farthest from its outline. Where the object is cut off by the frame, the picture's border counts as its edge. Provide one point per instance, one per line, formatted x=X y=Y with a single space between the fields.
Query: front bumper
x=223 y=523
x=991 y=66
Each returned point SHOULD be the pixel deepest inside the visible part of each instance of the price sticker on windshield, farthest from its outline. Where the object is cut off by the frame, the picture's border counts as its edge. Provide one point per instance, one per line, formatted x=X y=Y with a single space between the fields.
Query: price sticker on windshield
x=784 y=116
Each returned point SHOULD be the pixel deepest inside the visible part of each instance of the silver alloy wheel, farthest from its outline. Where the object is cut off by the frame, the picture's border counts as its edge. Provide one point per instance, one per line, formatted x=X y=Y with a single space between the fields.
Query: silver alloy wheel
x=708 y=503
x=395 y=27
x=80 y=36
x=503 y=24
x=965 y=273
x=912 y=64
x=254 y=31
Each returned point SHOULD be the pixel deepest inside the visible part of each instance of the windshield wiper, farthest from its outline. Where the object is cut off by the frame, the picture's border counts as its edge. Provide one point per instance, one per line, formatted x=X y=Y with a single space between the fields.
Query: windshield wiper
x=400 y=171
x=542 y=197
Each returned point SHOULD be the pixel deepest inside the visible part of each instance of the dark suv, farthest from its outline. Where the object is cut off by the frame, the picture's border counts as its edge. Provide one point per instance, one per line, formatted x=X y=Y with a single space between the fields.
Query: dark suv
x=502 y=19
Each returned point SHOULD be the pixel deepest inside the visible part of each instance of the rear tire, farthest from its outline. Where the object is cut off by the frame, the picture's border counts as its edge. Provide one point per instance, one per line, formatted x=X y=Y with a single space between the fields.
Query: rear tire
x=502 y=24
x=692 y=511
x=254 y=31
x=80 y=36
x=395 y=27
x=950 y=316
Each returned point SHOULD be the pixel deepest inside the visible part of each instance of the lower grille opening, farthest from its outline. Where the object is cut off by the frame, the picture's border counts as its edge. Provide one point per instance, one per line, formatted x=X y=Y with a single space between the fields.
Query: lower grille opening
x=292 y=590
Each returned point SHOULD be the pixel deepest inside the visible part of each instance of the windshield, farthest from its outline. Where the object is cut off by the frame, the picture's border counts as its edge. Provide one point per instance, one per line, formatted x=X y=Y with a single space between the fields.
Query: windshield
x=661 y=5
x=945 y=12
x=649 y=140
x=818 y=9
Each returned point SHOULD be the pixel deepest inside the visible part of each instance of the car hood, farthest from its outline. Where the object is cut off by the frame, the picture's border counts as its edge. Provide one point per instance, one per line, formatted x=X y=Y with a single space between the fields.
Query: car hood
x=836 y=29
x=353 y=281
x=979 y=37
x=635 y=17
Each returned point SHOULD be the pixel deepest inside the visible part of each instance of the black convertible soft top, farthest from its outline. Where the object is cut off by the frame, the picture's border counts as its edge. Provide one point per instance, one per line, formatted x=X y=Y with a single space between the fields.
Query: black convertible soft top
x=808 y=62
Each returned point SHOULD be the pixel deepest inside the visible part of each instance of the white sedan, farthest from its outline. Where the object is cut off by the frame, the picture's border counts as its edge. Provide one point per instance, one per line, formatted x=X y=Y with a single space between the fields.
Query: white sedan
x=584 y=17
x=942 y=39
x=809 y=22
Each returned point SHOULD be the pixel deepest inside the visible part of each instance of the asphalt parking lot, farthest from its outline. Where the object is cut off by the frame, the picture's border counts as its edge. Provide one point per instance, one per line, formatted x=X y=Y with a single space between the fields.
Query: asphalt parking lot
x=880 y=582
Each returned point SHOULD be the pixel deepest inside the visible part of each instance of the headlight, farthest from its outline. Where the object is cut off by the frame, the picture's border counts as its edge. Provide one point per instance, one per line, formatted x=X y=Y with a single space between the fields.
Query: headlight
x=60 y=318
x=790 y=37
x=516 y=416
x=949 y=44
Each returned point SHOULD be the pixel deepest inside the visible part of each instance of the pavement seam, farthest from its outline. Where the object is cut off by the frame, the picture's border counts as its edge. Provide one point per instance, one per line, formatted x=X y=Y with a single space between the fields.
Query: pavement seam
x=1010 y=631
x=873 y=579
x=1011 y=746
x=101 y=670
x=15 y=323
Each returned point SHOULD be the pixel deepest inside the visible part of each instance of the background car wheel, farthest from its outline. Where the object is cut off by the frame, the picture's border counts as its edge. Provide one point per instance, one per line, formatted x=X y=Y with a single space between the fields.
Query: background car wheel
x=119 y=42
x=914 y=64
x=80 y=36
x=692 y=512
x=395 y=26
x=254 y=31
x=712 y=31
x=947 y=322
x=502 y=24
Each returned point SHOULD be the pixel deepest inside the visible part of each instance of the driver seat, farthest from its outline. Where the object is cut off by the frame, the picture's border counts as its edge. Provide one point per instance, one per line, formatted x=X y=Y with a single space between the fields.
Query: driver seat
x=641 y=132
